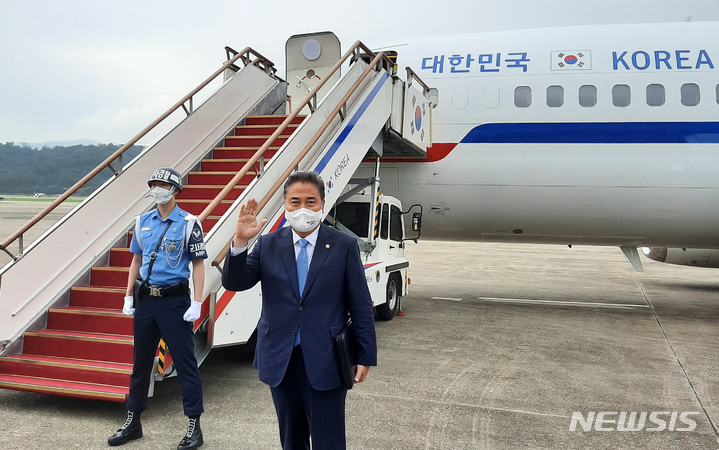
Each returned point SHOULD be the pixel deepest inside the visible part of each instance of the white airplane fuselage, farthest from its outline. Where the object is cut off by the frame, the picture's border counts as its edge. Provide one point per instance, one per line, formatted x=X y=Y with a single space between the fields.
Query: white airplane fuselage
x=599 y=174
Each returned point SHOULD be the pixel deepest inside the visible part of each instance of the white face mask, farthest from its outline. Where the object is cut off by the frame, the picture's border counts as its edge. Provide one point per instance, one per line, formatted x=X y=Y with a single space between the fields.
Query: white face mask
x=161 y=195
x=303 y=219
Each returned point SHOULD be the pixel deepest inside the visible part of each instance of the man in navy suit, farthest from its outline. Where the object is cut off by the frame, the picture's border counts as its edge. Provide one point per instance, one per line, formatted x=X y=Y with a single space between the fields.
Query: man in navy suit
x=311 y=276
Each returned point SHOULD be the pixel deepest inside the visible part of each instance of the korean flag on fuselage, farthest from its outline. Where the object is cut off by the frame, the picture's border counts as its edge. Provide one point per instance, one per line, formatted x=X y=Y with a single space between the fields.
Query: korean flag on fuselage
x=572 y=60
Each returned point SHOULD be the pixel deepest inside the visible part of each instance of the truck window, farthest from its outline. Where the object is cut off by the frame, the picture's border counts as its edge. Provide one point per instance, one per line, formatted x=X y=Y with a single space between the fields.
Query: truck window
x=384 y=225
x=354 y=216
x=395 y=230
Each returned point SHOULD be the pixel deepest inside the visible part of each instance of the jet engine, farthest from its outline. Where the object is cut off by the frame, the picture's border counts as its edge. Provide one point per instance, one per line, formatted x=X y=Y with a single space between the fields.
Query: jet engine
x=684 y=256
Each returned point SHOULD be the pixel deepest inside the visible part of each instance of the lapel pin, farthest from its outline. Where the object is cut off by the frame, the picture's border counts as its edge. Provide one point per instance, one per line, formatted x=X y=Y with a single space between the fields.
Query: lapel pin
x=327 y=246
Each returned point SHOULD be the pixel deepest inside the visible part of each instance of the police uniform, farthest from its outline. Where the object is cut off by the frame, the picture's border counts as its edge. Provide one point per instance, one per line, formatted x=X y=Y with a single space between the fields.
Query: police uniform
x=160 y=308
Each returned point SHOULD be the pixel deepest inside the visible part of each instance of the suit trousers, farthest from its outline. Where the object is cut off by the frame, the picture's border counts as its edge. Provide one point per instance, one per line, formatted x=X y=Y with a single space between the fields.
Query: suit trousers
x=157 y=317
x=304 y=412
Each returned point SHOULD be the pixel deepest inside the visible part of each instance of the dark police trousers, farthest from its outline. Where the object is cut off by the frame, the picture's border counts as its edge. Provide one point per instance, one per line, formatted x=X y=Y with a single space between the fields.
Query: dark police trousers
x=156 y=317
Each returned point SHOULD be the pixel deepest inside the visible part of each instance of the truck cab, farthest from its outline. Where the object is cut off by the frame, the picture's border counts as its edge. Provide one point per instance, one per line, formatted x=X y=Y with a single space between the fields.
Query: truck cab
x=379 y=228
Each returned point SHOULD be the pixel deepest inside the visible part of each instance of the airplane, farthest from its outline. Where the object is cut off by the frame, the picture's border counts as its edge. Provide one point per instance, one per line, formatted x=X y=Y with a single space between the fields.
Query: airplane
x=595 y=135
x=585 y=135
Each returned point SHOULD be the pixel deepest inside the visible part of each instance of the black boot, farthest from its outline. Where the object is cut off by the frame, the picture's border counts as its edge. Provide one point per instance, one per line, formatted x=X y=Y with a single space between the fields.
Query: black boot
x=131 y=430
x=193 y=438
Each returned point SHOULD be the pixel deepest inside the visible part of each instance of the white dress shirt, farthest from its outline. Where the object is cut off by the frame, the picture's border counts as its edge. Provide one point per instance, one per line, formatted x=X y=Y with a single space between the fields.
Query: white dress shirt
x=311 y=242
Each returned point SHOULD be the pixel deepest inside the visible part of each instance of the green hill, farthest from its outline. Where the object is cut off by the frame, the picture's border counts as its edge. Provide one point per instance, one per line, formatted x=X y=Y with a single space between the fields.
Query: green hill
x=24 y=170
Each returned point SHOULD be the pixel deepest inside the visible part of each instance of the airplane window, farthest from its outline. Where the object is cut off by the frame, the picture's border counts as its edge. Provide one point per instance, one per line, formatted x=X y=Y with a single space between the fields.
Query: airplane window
x=522 y=96
x=655 y=95
x=491 y=97
x=555 y=96
x=460 y=97
x=717 y=89
x=588 y=95
x=690 y=94
x=621 y=95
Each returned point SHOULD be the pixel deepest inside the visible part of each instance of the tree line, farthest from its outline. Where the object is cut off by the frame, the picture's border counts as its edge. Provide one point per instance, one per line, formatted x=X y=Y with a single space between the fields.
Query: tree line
x=26 y=171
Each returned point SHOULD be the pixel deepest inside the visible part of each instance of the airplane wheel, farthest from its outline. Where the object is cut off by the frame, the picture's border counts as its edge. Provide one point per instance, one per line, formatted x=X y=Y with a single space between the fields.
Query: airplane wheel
x=387 y=310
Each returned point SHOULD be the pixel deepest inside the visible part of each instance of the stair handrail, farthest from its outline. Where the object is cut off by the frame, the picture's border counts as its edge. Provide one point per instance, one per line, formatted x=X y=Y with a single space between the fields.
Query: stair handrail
x=411 y=74
x=248 y=56
x=379 y=58
x=261 y=62
x=308 y=101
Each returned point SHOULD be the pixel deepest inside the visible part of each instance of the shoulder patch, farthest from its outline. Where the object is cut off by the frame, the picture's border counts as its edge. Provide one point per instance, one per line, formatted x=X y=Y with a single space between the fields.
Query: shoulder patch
x=196 y=232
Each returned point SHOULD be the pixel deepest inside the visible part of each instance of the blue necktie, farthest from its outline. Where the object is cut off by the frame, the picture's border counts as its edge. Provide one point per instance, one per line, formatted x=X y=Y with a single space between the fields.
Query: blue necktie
x=301 y=275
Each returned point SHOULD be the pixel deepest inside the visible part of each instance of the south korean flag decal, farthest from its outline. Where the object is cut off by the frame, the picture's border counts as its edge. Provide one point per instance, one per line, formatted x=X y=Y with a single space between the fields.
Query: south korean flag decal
x=572 y=60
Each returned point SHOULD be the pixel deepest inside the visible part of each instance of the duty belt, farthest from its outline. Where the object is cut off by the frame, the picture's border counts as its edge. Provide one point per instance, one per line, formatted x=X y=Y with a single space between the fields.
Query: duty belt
x=165 y=291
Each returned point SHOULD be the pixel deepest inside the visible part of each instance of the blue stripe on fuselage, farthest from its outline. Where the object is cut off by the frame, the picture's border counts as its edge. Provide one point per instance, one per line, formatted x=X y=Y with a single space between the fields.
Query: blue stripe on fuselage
x=594 y=133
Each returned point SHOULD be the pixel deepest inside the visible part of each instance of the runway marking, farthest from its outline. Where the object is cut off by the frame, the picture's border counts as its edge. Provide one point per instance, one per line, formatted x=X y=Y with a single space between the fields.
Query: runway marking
x=447 y=298
x=468 y=405
x=560 y=303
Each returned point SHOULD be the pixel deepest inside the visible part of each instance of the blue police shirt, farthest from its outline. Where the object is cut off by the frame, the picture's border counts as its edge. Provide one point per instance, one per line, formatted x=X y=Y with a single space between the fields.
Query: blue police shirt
x=182 y=243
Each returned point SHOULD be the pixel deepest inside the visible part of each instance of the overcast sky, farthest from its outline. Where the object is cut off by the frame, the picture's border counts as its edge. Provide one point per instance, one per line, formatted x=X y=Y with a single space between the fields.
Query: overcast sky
x=101 y=70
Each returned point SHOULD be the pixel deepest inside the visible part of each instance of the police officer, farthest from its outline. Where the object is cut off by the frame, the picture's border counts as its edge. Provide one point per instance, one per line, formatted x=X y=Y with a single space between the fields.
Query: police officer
x=164 y=308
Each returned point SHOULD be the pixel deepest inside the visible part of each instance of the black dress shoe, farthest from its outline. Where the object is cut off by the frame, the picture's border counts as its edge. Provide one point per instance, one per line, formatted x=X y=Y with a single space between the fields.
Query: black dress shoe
x=131 y=430
x=193 y=438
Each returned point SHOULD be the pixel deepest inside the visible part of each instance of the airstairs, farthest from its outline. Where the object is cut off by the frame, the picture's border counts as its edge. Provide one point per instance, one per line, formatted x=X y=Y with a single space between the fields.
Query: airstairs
x=61 y=325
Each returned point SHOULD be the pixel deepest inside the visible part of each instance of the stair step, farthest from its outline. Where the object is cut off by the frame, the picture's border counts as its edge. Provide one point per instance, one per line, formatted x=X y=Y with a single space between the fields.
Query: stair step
x=121 y=257
x=252 y=141
x=197 y=206
x=225 y=165
x=271 y=120
x=218 y=178
x=89 y=320
x=109 y=276
x=209 y=192
x=68 y=344
x=69 y=369
x=241 y=152
x=209 y=223
x=64 y=388
x=97 y=297
x=263 y=130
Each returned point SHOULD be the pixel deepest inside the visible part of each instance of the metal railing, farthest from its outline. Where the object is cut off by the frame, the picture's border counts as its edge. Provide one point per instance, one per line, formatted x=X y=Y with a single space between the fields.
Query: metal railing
x=260 y=62
x=379 y=60
x=411 y=74
x=248 y=56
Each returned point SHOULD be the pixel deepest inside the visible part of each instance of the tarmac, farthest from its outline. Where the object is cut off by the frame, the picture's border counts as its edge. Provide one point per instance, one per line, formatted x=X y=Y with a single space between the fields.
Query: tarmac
x=15 y=214
x=500 y=346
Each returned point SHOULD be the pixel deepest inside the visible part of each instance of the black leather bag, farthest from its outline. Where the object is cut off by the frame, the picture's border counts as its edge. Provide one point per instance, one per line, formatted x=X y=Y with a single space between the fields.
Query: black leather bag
x=347 y=354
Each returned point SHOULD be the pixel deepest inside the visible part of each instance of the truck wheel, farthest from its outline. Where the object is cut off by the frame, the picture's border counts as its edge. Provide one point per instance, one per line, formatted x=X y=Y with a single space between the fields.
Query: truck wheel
x=387 y=310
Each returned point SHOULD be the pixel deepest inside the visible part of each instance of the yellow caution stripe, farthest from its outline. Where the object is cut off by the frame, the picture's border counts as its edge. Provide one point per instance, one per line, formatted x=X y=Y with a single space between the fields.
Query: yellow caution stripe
x=163 y=352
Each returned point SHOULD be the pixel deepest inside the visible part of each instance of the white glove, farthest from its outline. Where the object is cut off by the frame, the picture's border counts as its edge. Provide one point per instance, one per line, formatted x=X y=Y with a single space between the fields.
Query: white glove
x=127 y=308
x=193 y=312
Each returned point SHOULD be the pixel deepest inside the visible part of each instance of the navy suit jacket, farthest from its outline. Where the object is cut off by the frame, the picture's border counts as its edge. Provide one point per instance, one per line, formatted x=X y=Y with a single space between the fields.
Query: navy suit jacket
x=335 y=285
